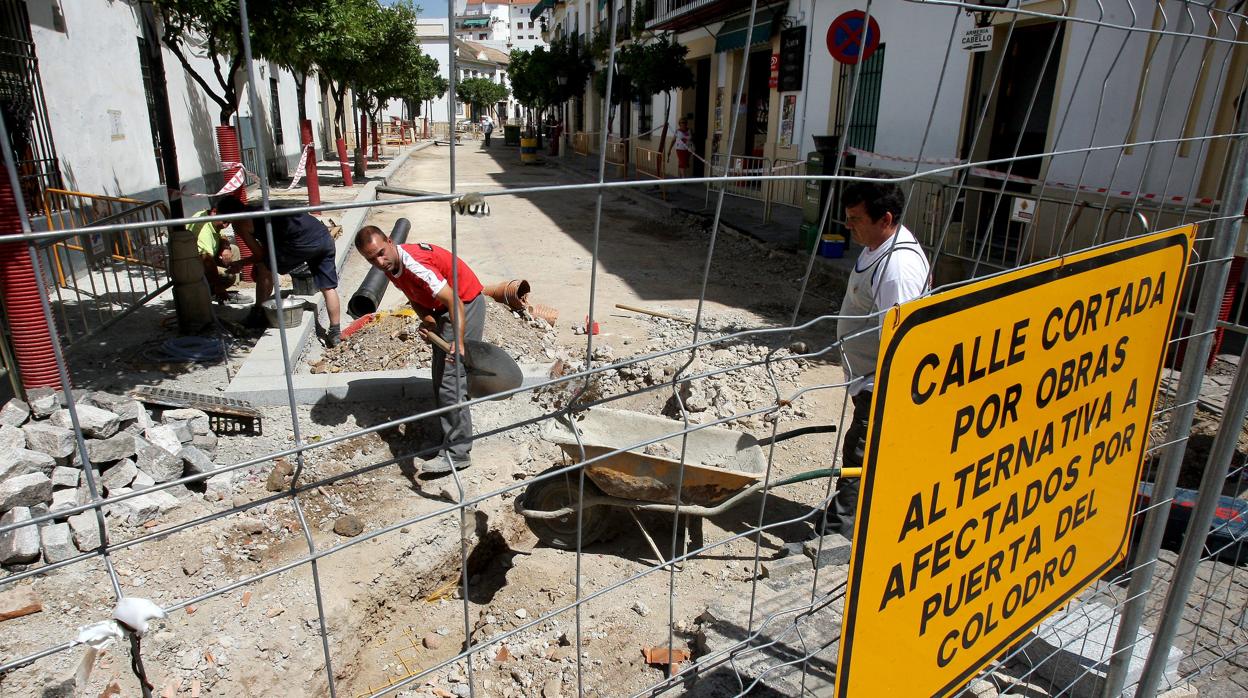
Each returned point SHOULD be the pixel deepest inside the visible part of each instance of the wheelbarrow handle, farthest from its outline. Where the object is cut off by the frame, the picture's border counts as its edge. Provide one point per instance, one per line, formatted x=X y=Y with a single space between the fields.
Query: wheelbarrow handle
x=785 y=436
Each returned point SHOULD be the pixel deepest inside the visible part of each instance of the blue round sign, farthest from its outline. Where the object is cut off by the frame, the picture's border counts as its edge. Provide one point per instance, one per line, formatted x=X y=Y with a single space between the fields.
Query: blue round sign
x=846 y=41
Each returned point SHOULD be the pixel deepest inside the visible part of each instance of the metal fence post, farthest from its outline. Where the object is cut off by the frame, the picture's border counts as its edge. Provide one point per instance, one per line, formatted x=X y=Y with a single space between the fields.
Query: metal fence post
x=1200 y=343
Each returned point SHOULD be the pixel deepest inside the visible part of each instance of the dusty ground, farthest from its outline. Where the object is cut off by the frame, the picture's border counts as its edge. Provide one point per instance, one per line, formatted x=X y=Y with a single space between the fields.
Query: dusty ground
x=392 y=603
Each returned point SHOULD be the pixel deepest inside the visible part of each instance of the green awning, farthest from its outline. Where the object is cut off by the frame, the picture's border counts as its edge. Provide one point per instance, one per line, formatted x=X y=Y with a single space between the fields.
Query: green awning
x=732 y=35
x=539 y=8
x=476 y=22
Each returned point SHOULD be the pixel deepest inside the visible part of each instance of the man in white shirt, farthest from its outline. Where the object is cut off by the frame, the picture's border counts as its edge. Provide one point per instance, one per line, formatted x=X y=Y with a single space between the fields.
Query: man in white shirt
x=891 y=269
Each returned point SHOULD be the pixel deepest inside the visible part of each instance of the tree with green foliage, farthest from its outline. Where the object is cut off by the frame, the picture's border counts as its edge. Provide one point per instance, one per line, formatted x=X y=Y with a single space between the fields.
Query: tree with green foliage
x=480 y=93
x=543 y=78
x=659 y=68
x=213 y=29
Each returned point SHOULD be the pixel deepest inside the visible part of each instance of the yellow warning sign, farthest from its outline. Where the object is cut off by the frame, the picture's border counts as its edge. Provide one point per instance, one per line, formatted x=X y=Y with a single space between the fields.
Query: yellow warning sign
x=1008 y=431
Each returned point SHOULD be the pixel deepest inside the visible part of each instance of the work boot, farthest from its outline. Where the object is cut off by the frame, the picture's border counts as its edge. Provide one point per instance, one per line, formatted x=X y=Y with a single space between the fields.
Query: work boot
x=333 y=337
x=442 y=465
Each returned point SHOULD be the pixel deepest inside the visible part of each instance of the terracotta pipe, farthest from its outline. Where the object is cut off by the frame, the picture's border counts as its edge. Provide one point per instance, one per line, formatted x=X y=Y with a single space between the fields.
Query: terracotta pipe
x=545 y=312
x=512 y=294
x=229 y=150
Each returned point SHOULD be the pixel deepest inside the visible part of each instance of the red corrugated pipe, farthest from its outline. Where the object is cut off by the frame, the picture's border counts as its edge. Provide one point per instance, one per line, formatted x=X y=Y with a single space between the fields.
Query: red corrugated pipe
x=227 y=147
x=1228 y=303
x=30 y=336
x=314 y=182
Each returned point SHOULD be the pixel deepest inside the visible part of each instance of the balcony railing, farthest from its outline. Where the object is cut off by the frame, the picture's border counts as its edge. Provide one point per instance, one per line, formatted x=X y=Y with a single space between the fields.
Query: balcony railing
x=676 y=15
x=666 y=11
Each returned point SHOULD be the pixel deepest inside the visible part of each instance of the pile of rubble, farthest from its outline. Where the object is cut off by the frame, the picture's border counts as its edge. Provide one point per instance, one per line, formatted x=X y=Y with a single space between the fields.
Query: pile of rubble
x=742 y=371
x=129 y=448
x=392 y=342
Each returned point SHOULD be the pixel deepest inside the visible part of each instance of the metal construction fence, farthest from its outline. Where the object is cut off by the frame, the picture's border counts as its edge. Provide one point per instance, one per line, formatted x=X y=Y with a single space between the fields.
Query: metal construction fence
x=1174 y=611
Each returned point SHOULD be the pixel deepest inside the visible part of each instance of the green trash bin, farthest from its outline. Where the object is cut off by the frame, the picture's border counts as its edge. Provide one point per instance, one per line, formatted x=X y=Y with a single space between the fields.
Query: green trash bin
x=511 y=135
x=807 y=237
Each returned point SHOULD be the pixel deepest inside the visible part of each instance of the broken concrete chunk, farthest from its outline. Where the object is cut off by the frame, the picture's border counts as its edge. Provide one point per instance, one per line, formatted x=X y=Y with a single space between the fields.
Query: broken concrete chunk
x=157 y=461
x=197 y=462
x=15 y=603
x=56 y=542
x=125 y=407
x=119 y=476
x=111 y=449
x=86 y=530
x=55 y=441
x=14 y=413
x=20 y=461
x=63 y=476
x=43 y=402
x=349 y=526
x=197 y=419
x=27 y=490
x=135 y=510
x=786 y=567
x=20 y=545
x=95 y=422
x=11 y=437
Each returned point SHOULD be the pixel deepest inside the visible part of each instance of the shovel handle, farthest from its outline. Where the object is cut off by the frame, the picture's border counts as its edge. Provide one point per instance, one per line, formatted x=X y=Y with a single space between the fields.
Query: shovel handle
x=440 y=343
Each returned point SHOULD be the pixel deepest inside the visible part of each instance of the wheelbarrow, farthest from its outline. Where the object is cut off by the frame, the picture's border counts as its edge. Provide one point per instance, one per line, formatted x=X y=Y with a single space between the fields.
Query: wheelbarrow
x=722 y=468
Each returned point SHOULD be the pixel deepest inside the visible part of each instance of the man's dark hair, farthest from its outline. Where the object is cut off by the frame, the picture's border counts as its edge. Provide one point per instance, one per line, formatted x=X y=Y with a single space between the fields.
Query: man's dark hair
x=366 y=235
x=878 y=197
x=229 y=204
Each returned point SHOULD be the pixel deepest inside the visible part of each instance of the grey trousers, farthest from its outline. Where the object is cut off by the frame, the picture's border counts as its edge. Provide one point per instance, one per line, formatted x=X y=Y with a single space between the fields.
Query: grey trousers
x=449 y=385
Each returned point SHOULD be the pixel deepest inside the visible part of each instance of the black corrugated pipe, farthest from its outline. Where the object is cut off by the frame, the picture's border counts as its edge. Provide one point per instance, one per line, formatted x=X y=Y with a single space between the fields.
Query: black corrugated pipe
x=368 y=295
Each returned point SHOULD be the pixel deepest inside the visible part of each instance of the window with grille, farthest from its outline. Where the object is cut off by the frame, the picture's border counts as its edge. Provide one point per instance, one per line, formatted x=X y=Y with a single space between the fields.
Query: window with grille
x=276 y=110
x=858 y=123
x=153 y=120
x=24 y=111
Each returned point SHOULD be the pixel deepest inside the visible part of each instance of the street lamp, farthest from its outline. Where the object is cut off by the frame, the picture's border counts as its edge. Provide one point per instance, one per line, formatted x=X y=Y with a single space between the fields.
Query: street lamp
x=984 y=16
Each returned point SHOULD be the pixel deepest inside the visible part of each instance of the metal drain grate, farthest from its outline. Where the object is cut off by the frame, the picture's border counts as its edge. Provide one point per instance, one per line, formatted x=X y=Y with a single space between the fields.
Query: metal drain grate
x=225 y=415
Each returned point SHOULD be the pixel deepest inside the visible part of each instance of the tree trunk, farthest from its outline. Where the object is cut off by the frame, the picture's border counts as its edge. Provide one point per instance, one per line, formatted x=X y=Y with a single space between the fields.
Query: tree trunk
x=361 y=167
x=667 y=116
x=301 y=92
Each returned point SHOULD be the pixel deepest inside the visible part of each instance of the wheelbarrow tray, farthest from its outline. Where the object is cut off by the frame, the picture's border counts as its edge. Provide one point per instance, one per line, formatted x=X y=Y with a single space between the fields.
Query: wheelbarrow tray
x=718 y=462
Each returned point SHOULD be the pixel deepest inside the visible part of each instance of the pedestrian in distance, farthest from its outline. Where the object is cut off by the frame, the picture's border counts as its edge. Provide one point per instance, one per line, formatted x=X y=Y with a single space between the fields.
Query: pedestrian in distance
x=297 y=239
x=682 y=142
x=487 y=127
x=423 y=272
x=891 y=269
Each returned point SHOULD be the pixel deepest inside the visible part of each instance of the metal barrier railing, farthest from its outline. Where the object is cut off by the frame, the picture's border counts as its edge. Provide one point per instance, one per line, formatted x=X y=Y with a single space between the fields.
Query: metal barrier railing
x=97 y=279
x=582 y=142
x=617 y=154
x=648 y=162
x=737 y=166
x=787 y=192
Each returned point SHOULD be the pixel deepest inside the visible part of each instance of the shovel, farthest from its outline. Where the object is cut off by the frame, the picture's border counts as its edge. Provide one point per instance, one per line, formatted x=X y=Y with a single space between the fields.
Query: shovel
x=490 y=369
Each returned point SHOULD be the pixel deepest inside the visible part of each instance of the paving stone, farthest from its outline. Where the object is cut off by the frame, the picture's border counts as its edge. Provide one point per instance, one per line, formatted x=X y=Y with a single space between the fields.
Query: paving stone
x=157 y=461
x=25 y=491
x=206 y=443
x=165 y=436
x=43 y=402
x=20 y=461
x=11 y=437
x=1072 y=650
x=95 y=422
x=18 y=602
x=197 y=419
x=779 y=571
x=86 y=530
x=142 y=481
x=56 y=542
x=219 y=487
x=125 y=407
x=64 y=476
x=21 y=545
x=182 y=430
x=135 y=510
x=63 y=499
x=119 y=476
x=55 y=441
x=197 y=462
x=832 y=549
x=111 y=449
x=14 y=413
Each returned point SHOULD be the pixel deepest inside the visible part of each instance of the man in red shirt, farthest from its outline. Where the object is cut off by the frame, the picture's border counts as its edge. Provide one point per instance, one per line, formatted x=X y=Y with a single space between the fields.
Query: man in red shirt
x=423 y=273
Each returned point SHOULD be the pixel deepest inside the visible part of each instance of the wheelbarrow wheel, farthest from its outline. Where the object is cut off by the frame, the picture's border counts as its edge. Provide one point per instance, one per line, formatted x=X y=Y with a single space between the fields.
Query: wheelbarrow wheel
x=557 y=493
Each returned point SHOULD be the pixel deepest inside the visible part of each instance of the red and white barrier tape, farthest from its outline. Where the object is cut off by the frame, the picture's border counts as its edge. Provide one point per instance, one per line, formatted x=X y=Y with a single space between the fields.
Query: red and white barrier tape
x=302 y=169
